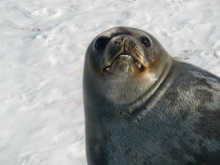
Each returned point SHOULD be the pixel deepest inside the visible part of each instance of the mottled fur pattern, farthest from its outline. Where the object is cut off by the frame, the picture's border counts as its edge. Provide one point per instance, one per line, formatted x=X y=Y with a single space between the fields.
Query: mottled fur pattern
x=174 y=122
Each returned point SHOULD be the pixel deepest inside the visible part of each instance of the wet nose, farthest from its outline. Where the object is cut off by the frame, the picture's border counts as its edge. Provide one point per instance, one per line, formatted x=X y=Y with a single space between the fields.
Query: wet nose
x=124 y=38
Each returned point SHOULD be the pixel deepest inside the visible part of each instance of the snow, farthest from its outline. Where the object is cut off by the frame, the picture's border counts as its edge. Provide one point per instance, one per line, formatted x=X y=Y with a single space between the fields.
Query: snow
x=42 y=47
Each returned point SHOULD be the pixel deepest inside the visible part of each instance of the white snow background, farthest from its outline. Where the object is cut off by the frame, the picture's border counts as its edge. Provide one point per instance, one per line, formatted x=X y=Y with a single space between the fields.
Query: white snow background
x=42 y=47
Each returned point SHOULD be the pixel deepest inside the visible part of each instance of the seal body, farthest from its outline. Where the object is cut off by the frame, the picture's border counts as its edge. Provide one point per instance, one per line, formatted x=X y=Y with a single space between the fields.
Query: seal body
x=144 y=107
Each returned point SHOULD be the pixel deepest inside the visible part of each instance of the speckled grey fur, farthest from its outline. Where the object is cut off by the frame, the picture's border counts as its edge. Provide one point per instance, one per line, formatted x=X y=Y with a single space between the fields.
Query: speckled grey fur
x=173 y=121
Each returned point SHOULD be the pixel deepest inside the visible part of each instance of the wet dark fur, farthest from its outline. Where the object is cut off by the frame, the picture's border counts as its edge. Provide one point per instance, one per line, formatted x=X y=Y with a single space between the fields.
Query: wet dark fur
x=178 y=124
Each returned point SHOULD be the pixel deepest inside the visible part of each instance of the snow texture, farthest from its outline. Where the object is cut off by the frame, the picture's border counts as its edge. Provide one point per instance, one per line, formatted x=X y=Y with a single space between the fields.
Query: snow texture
x=42 y=47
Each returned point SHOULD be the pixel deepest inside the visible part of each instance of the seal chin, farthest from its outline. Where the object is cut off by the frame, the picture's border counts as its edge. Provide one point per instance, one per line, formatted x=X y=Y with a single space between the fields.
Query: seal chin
x=123 y=61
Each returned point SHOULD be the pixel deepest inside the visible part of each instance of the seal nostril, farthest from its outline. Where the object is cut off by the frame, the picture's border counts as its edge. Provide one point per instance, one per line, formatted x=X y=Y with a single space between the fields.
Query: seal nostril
x=124 y=38
x=101 y=42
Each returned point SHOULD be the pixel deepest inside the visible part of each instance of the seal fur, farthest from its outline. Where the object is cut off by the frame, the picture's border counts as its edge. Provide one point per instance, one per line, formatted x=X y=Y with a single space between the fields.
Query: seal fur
x=144 y=107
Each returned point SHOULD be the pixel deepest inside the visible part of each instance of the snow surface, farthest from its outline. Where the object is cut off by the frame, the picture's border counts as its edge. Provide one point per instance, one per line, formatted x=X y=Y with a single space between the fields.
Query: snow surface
x=42 y=47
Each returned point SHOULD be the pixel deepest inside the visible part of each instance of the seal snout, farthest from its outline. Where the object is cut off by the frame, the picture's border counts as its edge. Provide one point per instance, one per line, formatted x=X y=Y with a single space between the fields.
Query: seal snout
x=110 y=46
x=123 y=47
x=124 y=57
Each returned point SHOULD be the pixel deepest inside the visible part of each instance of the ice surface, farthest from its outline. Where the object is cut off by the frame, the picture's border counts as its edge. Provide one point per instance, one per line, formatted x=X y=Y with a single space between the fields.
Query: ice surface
x=42 y=47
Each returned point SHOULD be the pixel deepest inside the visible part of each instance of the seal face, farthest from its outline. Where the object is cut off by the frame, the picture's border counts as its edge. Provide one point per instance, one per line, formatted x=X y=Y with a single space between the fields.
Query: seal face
x=144 y=107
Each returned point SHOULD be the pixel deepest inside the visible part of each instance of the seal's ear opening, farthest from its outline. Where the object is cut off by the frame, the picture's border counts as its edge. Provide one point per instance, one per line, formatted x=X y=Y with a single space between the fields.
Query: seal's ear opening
x=101 y=42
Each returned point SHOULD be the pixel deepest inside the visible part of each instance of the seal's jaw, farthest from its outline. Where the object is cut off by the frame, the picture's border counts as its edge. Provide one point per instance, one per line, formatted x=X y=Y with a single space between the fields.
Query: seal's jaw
x=123 y=63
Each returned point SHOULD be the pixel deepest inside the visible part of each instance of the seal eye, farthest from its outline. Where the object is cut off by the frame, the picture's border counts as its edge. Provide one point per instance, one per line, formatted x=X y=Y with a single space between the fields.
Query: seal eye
x=101 y=42
x=145 y=41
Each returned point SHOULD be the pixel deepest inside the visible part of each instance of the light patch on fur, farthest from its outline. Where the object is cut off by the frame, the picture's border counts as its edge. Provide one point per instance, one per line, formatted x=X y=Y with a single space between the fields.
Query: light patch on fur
x=211 y=85
x=109 y=32
x=151 y=53
x=201 y=75
x=128 y=88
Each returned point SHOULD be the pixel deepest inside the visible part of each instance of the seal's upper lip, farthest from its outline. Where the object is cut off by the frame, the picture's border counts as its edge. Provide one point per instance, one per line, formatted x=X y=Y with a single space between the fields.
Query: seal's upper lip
x=138 y=64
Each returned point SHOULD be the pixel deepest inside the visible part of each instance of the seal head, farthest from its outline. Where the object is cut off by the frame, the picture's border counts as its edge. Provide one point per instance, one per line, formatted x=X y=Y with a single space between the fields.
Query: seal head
x=128 y=61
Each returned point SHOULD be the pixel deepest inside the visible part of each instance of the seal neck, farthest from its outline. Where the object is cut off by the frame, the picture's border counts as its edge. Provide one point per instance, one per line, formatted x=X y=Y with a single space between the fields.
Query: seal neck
x=151 y=97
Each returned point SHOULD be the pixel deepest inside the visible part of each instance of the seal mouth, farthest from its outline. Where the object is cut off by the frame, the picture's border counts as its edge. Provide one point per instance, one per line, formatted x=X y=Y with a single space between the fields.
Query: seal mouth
x=137 y=63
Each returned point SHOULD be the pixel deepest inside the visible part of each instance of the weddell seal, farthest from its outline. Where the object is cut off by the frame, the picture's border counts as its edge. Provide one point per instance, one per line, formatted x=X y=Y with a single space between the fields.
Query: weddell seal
x=143 y=107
